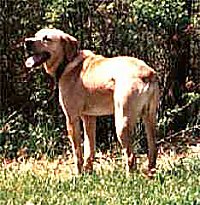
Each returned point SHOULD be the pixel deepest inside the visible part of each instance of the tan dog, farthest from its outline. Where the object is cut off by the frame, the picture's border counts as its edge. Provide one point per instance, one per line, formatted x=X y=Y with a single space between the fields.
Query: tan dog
x=92 y=85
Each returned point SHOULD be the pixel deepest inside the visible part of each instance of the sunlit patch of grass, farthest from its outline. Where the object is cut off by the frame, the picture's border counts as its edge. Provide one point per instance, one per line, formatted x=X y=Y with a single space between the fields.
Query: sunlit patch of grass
x=52 y=182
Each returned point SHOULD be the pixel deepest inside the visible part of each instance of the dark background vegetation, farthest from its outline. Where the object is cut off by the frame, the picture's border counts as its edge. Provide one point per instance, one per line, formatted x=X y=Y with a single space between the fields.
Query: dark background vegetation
x=164 y=33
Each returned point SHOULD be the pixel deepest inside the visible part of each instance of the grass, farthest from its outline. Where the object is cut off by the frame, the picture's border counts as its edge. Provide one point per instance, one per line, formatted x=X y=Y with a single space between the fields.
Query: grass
x=31 y=182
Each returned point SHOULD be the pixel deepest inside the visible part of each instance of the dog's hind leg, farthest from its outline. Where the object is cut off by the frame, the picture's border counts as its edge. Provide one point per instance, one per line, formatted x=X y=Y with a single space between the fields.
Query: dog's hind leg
x=149 y=119
x=124 y=122
x=89 y=124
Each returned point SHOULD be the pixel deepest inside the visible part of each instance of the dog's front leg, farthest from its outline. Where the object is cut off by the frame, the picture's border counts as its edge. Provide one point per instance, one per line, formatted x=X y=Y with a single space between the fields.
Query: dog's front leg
x=74 y=134
x=89 y=124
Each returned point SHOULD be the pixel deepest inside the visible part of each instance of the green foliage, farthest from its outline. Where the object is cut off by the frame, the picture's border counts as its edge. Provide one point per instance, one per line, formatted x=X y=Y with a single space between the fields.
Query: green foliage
x=20 y=138
x=161 y=14
x=182 y=115
x=104 y=26
x=17 y=20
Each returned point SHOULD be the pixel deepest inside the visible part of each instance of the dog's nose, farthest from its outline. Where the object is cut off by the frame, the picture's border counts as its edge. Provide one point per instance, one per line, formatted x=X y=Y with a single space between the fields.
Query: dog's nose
x=29 y=44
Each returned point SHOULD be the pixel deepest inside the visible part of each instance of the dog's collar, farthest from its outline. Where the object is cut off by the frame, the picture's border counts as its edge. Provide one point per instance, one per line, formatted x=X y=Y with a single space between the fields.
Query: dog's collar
x=65 y=64
x=61 y=69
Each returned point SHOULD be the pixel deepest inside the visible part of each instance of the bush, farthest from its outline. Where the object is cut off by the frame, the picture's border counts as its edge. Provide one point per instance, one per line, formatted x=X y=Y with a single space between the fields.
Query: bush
x=155 y=31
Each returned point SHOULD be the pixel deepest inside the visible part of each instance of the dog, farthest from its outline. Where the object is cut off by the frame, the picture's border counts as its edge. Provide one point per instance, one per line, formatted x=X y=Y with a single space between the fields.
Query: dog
x=92 y=85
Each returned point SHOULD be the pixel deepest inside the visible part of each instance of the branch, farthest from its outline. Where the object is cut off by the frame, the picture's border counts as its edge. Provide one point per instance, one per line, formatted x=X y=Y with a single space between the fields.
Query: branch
x=182 y=132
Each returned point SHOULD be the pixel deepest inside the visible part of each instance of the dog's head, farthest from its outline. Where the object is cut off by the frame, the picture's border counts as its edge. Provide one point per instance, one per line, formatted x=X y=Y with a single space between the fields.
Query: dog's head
x=51 y=47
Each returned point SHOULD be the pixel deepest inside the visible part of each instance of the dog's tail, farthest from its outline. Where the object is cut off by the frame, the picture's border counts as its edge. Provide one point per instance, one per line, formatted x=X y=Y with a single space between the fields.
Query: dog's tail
x=147 y=74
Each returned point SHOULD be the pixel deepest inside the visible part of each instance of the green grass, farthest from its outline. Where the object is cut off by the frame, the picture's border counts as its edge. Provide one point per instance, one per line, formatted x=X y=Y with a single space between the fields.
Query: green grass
x=46 y=183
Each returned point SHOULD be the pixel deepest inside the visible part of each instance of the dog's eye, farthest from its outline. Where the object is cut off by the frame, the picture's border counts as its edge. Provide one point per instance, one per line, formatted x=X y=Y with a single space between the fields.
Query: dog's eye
x=46 y=38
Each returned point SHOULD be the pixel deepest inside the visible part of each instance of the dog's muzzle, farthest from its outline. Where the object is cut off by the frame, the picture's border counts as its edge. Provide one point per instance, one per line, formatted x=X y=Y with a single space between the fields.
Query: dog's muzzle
x=35 y=58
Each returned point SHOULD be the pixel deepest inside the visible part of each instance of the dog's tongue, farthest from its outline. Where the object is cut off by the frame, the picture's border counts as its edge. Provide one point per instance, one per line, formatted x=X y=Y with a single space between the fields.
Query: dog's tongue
x=33 y=61
x=36 y=60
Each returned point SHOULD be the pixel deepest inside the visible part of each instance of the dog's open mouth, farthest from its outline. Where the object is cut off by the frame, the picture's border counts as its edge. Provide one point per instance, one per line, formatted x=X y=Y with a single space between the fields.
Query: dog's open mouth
x=37 y=59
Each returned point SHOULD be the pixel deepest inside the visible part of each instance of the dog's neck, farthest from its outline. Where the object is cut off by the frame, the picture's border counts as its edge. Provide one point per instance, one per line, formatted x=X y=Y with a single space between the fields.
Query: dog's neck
x=61 y=69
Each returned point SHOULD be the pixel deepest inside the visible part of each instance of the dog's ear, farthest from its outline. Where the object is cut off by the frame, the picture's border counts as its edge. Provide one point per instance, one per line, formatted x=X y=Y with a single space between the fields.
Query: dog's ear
x=70 y=46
